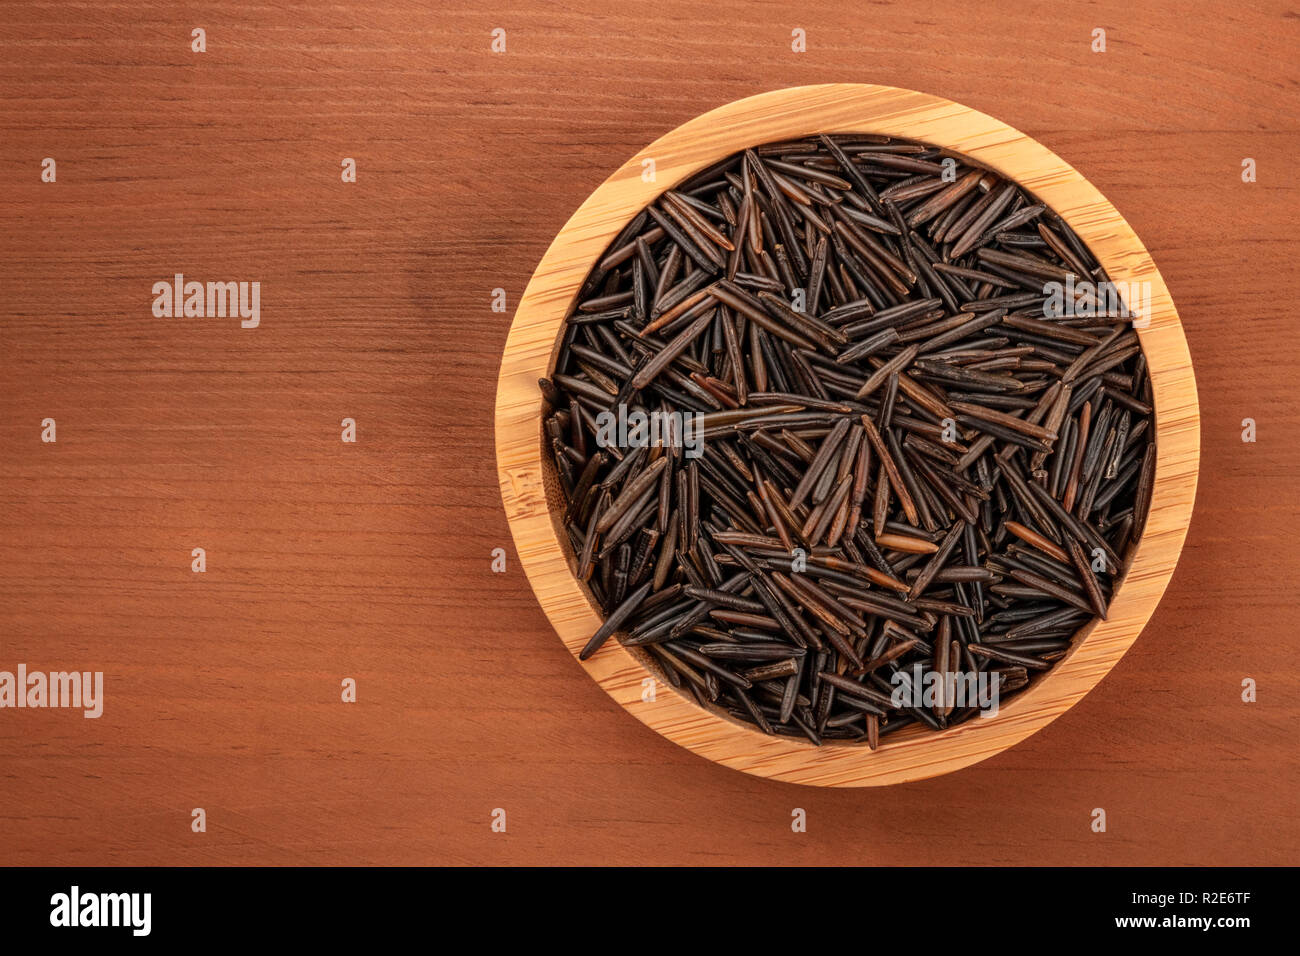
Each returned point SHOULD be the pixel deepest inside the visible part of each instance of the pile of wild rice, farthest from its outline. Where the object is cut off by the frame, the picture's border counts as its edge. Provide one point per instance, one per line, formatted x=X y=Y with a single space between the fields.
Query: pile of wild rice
x=926 y=436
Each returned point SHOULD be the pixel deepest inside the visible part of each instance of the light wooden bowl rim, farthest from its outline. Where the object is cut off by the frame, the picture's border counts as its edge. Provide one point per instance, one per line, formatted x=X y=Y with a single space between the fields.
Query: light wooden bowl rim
x=787 y=114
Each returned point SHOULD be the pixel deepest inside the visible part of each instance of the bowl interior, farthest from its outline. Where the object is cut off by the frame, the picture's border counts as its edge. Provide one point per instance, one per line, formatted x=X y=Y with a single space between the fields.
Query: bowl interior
x=556 y=502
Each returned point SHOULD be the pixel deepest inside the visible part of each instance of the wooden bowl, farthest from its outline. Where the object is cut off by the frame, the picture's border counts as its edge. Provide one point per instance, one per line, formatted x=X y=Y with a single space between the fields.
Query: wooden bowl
x=531 y=491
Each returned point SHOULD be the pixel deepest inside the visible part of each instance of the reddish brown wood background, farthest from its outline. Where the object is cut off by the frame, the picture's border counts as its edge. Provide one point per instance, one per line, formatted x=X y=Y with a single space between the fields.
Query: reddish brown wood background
x=328 y=560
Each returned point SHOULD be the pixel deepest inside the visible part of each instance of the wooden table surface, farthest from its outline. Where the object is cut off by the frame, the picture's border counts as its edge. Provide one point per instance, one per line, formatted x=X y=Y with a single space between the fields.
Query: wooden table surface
x=328 y=560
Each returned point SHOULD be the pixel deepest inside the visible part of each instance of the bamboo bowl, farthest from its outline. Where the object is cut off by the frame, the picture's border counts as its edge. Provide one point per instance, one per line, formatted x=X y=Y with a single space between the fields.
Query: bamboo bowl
x=532 y=494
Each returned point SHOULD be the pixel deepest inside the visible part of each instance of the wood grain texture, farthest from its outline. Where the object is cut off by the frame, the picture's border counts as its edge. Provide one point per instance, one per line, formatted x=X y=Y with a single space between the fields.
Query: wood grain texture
x=534 y=504
x=372 y=560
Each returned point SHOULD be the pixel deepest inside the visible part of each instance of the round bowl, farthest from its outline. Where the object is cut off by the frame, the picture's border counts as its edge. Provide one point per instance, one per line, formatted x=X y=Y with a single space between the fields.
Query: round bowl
x=533 y=497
